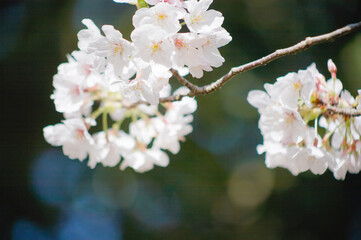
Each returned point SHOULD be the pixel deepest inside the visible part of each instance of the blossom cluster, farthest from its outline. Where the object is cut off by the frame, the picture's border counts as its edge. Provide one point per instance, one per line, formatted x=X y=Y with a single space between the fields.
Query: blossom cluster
x=300 y=130
x=159 y=42
x=121 y=83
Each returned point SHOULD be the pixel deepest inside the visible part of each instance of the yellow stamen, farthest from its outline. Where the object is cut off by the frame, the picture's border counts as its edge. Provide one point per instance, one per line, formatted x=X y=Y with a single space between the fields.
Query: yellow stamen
x=155 y=47
x=137 y=86
x=197 y=19
x=117 y=48
x=161 y=17
x=297 y=85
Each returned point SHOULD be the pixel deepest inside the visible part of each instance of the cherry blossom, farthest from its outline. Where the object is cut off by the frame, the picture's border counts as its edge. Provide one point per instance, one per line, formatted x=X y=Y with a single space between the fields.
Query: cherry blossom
x=162 y=15
x=152 y=47
x=73 y=135
x=201 y=20
x=143 y=160
x=293 y=109
x=117 y=85
x=114 y=84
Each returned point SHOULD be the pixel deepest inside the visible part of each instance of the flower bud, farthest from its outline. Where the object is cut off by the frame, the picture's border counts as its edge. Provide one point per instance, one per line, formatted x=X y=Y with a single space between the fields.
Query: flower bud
x=332 y=68
x=315 y=142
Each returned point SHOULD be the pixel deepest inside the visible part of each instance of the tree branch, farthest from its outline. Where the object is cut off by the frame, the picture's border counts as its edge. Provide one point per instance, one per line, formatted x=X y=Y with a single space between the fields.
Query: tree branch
x=185 y=82
x=344 y=111
x=299 y=47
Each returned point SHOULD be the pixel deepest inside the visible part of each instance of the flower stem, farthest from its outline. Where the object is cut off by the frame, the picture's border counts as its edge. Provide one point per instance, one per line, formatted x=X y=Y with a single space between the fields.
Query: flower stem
x=116 y=126
x=105 y=124
x=97 y=113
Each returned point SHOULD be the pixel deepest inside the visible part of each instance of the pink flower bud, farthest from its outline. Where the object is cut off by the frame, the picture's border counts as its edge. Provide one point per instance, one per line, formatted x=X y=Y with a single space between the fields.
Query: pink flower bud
x=332 y=68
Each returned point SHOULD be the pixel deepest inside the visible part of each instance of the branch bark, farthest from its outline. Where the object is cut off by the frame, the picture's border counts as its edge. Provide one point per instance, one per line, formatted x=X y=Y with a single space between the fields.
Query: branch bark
x=299 y=47
x=352 y=112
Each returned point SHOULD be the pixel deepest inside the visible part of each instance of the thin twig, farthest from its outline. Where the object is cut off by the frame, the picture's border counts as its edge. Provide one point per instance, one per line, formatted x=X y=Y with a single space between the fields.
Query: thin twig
x=299 y=47
x=185 y=82
x=344 y=111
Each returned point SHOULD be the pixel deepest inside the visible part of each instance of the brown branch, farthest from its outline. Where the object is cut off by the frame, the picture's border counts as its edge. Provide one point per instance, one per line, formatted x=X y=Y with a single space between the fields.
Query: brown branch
x=299 y=47
x=344 y=111
x=184 y=81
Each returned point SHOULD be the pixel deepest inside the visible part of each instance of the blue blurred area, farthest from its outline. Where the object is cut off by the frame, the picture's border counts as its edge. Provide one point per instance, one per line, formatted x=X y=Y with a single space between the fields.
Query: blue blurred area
x=89 y=219
x=355 y=226
x=14 y=17
x=156 y=209
x=25 y=230
x=56 y=179
x=221 y=138
x=65 y=184
x=114 y=190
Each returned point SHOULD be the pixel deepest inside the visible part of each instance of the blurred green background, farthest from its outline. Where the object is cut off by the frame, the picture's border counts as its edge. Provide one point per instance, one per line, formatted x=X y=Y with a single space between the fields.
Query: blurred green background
x=217 y=187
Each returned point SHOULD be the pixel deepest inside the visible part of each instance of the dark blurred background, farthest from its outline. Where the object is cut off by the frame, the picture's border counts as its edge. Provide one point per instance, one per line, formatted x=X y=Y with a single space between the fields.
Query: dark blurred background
x=217 y=187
